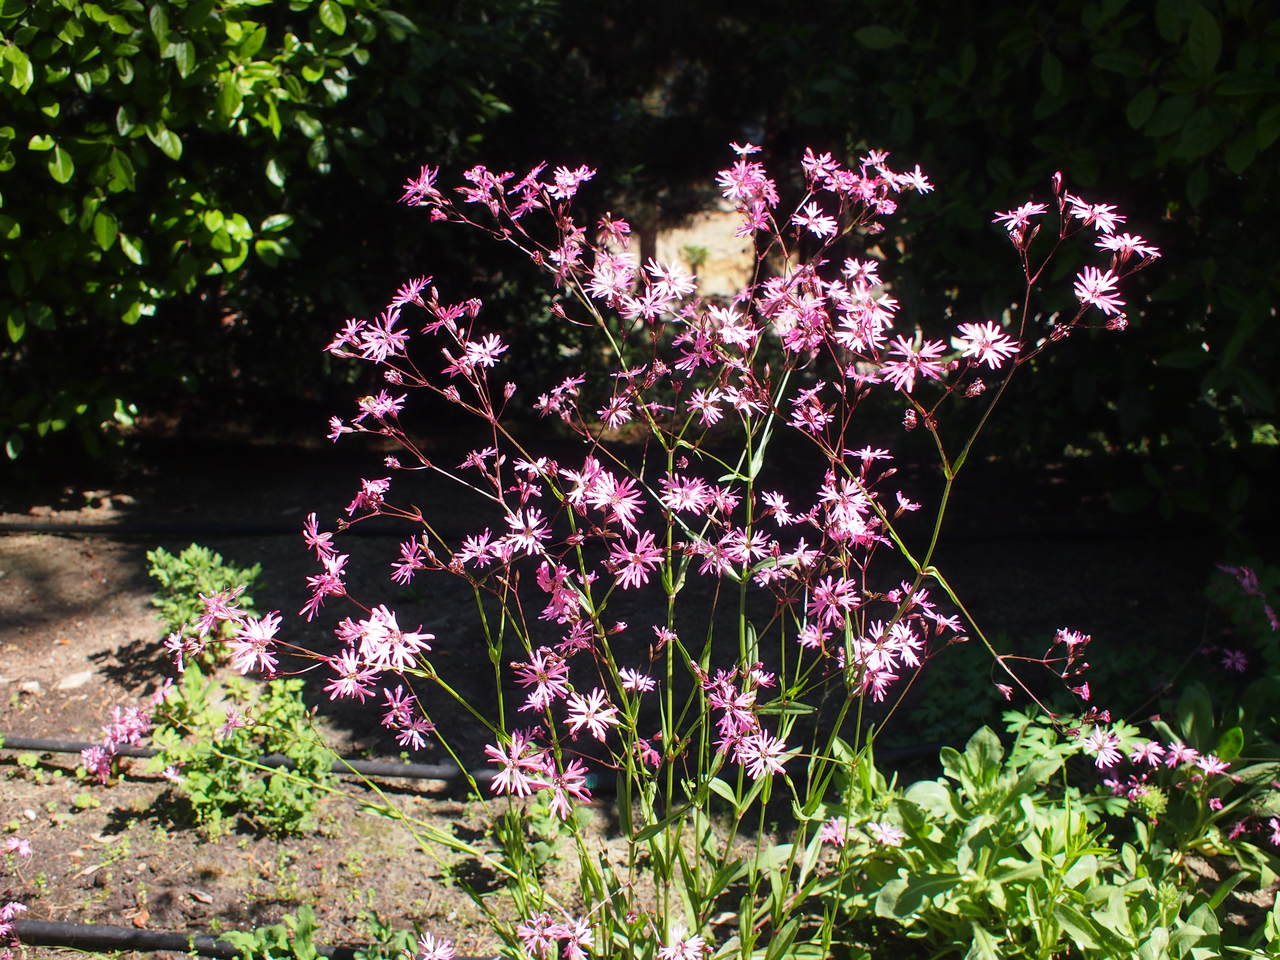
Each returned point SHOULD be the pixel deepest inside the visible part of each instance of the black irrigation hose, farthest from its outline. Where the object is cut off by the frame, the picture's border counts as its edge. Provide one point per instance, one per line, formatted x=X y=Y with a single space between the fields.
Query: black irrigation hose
x=101 y=936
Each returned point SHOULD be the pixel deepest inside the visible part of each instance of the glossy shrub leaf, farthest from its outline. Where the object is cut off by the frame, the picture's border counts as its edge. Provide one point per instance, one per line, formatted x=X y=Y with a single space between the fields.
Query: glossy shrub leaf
x=104 y=230
x=878 y=38
x=168 y=141
x=61 y=167
x=131 y=248
x=331 y=16
x=1204 y=39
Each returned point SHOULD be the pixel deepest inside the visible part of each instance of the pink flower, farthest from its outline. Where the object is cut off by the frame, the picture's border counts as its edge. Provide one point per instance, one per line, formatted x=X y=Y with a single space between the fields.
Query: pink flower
x=430 y=948
x=571 y=783
x=1103 y=746
x=811 y=217
x=1018 y=219
x=922 y=359
x=251 y=648
x=524 y=766
x=834 y=831
x=632 y=565
x=987 y=342
x=761 y=753
x=19 y=846
x=635 y=681
x=547 y=673
x=1096 y=288
x=1211 y=765
x=1148 y=753
x=886 y=834
x=691 y=948
x=592 y=712
x=1125 y=245
x=1101 y=215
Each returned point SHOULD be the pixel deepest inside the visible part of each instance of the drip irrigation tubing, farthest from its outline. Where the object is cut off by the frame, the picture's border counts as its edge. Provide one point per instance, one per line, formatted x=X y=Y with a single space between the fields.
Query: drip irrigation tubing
x=101 y=936
x=386 y=768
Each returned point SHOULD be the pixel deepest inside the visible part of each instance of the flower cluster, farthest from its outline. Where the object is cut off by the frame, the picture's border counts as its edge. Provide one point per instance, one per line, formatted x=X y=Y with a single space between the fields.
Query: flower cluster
x=798 y=349
x=128 y=727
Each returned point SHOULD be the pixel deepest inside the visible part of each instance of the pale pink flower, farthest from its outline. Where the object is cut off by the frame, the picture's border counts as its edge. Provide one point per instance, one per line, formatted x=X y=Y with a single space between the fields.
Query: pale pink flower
x=251 y=647
x=886 y=834
x=922 y=360
x=1096 y=288
x=635 y=681
x=1018 y=218
x=691 y=948
x=1103 y=746
x=761 y=753
x=834 y=831
x=1148 y=753
x=1125 y=245
x=987 y=342
x=1101 y=215
x=811 y=217
x=431 y=948
x=592 y=712
x=19 y=846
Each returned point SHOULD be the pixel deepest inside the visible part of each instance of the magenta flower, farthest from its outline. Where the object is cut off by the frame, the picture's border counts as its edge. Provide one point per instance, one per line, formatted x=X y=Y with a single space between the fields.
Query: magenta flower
x=524 y=766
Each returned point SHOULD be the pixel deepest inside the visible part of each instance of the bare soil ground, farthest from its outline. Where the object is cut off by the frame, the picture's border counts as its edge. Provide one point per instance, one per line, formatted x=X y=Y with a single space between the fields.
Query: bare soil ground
x=78 y=637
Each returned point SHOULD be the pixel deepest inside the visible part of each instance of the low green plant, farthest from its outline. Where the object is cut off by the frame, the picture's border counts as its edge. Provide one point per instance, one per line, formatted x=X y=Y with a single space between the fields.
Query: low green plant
x=1004 y=857
x=196 y=570
x=212 y=736
x=293 y=938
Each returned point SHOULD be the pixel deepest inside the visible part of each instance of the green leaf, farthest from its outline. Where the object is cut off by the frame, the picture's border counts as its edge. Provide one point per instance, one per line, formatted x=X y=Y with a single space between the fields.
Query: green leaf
x=1204 y=40
x=164 y=138
x=61 y=168
x=876 y=37
x=1051 y=73
x=13 y=446
x=276 y=222
x=984 y=946
x=1171 y=16
x=10 y=229
x=184 y=55
x=230 y=99
x=275 y=172
x=1230 y=744
x=331 y=16
x=104 y=229
x=1268 y=128
x=1141 y=107
x=1170 y=115
x=40 y=141
x=17 y=326
x=121 y=169
x=1241 y=151
x=132 y=248
x=158 y=17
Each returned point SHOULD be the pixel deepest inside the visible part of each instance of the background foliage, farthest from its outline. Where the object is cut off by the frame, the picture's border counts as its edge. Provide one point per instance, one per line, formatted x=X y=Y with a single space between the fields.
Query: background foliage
x=183 y=149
